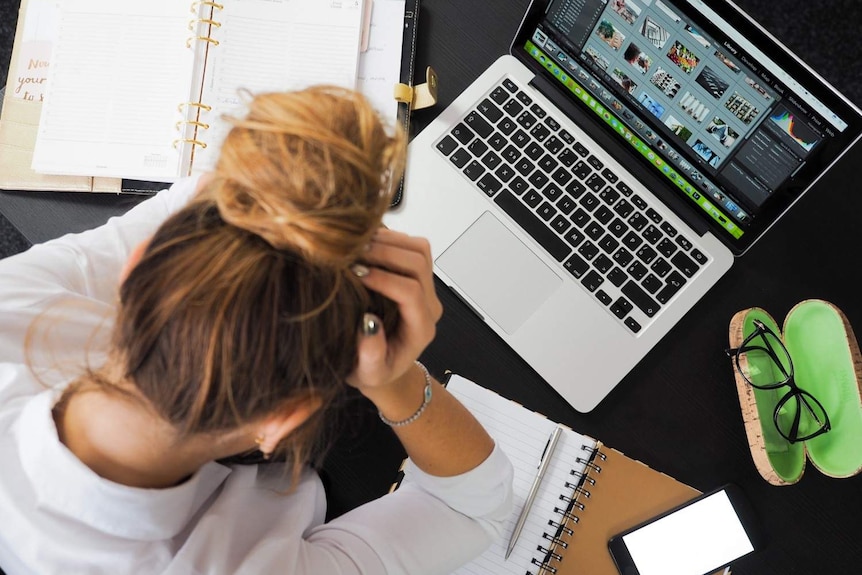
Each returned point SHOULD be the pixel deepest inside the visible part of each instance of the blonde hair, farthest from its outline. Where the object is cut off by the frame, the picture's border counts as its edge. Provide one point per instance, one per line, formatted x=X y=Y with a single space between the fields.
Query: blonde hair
x=243 y=300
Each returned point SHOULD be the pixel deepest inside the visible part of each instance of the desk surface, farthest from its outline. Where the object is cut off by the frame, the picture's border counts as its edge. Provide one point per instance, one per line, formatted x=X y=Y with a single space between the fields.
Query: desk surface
x=677 y=410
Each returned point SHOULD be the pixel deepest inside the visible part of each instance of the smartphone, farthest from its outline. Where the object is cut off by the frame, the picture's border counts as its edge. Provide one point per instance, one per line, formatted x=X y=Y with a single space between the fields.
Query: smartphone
x=697 y=538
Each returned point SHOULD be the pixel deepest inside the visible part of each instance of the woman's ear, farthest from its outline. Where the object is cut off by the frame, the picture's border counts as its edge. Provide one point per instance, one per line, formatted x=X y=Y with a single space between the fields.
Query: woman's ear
x=280 y=424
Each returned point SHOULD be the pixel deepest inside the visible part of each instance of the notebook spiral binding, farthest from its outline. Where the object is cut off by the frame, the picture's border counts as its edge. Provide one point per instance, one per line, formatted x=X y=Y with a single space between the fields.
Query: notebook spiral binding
x=203 y=20
x=557 y=538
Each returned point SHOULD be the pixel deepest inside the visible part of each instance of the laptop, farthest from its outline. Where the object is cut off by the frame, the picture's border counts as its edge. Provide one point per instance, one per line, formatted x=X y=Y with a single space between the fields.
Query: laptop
x=592 y=185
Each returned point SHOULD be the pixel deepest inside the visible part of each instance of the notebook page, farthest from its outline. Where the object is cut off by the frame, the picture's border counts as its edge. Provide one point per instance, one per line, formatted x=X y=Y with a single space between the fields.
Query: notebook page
x=118 y=72
x=380 y=64
x=522 y=434
x=275 y=45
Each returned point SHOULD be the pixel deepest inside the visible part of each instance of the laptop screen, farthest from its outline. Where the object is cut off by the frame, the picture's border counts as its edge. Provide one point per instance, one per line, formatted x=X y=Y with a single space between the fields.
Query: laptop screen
x=726 y=118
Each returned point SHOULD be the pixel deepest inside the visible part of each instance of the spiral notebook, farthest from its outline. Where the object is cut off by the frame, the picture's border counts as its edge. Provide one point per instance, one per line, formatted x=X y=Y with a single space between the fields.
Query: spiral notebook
x=590 y=492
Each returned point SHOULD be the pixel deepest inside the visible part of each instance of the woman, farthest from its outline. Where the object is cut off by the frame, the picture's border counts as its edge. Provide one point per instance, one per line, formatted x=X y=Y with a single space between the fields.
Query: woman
x=221 y=317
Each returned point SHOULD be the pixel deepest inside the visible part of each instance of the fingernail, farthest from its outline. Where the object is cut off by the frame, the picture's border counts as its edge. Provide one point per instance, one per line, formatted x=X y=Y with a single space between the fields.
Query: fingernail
x=360 y=270
x=370 y=324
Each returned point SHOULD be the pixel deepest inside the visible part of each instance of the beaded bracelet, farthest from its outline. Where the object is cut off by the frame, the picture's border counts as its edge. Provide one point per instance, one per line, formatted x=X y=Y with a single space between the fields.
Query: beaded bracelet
x=426 y=399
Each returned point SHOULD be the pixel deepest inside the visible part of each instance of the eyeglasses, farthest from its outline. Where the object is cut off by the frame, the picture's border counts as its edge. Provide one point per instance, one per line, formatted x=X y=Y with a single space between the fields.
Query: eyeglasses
x=765 y=364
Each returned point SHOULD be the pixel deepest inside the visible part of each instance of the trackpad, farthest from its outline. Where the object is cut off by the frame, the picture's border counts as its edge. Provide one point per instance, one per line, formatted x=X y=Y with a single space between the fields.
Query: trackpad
x=498 y=272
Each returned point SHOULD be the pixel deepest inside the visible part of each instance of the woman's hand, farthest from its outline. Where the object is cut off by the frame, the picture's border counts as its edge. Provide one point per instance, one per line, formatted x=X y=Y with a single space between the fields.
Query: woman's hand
x=401 y=269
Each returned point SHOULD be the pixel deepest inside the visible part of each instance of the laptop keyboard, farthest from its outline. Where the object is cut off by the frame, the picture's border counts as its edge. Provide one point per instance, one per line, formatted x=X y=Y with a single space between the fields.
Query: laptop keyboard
x=581 y=212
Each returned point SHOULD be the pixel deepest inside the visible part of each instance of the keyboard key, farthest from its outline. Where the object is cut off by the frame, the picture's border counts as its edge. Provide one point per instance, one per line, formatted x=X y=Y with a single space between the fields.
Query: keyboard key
x=520 y=138
x=589 y=201
x=660 y=267
x=603 y=297
x=546 y=211
x=478 y=124
x=672 y=284
x=592 y=280
x=580 y=149
x=534 y=151
x=595 y=182
x=447 y=145
x=557 y=248
x=623 y=208
x=638 y=221
x=560 y=224
x=526 y=120
x=685 y=264
x=548 y=163
x=524 y=166
x=624 y=189
x=540 y=132
x=567 y=158
x=538 y=179
x=477 y=147
x=510 y=85
x=646 y=254
x=632 y=324
x=460 y=157
x=567 y=137
x=618 y=227
x=589 y=250
x=576 y=188
x=538 y=111
x=698 y=256
x=498 y=141
x=513 y=107
x=621 y=307
x=491 y=160
x=640 y=298
x=595 y=162
x=505 y=172
x=666 y=247
x=561 y=175
x=524 y=98
x=639 y=202
x=653 y=215
x=566 y=204
x=603 y=263
x=552 y=123
x=652 y=234
x=603 y=214
x=580 y=218
x=609 y=195
x=651 y=283
x=532 y=198
x=511 y=154
x=499 y=95
x=582 y=170
x=490 y=110
x=683 y=243
x=617 y=276
x=553 y=192
x=519 y=185
x=506 y=126
x=609 y=243
x=473 y=170
x=576 y=265
x=574 y=236
x=594 y=230
x=489 y=184
x=554 y=144
x=623 y=257
x=462 y=133
x=632 y=241
x=610 y=176
x=668 y=229
x=637 y=270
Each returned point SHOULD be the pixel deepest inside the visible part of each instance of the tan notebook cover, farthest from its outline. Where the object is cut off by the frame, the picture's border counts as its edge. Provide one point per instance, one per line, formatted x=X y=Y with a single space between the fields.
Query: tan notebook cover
x=625 y=492
x=19 y=124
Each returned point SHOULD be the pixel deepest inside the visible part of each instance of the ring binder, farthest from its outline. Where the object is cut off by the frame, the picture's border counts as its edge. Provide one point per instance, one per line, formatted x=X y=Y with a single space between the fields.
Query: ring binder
x=197 y=4
x=191 y=141
x=200 y=105
x=196 y=21
x=191 y=39
x=195 y=123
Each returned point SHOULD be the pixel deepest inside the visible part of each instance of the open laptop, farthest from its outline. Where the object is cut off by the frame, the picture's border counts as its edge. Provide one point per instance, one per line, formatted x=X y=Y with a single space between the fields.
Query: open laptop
x=589 y=188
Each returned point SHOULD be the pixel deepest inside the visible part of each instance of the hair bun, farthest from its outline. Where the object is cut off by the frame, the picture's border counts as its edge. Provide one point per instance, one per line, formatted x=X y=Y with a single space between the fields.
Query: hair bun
x=311 y=171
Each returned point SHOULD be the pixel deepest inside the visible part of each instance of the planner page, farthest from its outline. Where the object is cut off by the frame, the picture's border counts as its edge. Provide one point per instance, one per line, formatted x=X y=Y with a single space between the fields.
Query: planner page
x=118 y=72
x=274 y=45
x=523 y=436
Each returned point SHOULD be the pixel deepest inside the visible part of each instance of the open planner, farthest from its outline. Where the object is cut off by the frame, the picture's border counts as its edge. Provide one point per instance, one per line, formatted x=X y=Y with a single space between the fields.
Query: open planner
x=589 y=493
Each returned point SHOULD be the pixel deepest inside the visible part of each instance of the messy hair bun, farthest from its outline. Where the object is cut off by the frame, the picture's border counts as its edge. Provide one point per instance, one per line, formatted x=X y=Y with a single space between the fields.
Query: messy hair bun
x=310 y=171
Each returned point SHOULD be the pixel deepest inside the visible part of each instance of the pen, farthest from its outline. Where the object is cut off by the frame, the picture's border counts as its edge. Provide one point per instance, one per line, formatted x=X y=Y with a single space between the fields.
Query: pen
x=543 y=466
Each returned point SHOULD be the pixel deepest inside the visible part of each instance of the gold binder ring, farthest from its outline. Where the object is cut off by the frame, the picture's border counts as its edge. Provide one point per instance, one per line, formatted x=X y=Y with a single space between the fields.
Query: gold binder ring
x=191 y=141
x=196 y=5
x=196 y=21
x=204 y=38
x=192 y=123
x=200 y=105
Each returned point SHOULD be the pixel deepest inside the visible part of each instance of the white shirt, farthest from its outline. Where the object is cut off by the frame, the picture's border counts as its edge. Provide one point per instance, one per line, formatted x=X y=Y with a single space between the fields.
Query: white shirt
x=58 y=516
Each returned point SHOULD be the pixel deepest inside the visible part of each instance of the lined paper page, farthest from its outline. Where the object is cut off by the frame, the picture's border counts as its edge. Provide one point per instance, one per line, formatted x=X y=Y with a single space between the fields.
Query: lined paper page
x=275 y=45
x=118 y=72
x=523 y=435
x=380 y=64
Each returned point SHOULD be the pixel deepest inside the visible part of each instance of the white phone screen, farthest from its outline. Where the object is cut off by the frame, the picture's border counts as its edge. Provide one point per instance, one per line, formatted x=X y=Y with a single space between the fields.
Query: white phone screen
x=693 y=540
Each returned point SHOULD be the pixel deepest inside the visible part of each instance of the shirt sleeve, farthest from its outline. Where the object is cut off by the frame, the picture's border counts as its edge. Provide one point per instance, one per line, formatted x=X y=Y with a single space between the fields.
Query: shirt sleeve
x=69 y=284
x=429 y=525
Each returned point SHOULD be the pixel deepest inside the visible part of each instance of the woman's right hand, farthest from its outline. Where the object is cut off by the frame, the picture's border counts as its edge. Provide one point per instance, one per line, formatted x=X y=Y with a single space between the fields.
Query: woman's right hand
x=401 y=269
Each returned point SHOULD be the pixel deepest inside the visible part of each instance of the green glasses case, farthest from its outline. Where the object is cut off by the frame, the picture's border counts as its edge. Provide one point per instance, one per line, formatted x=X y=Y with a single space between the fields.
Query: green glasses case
x=827 y=364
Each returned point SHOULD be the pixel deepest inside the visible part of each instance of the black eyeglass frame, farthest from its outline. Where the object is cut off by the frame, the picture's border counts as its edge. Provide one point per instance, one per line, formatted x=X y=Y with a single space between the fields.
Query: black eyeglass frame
x=803 y=397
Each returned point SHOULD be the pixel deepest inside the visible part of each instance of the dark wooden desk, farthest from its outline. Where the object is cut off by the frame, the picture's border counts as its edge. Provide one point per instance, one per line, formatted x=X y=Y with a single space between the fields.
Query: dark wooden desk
x=678 y=410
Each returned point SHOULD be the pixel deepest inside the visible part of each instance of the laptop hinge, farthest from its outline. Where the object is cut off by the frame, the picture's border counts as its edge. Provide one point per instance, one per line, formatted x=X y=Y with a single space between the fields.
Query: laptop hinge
x=620 y=153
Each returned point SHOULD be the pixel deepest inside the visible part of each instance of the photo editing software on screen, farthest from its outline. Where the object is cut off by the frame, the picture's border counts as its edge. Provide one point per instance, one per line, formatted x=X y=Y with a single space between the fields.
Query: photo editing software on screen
x=723 y=123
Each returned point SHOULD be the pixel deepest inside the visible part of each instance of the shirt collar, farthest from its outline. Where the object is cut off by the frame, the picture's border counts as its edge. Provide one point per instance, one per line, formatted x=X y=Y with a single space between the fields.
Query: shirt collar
x=63 y=484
